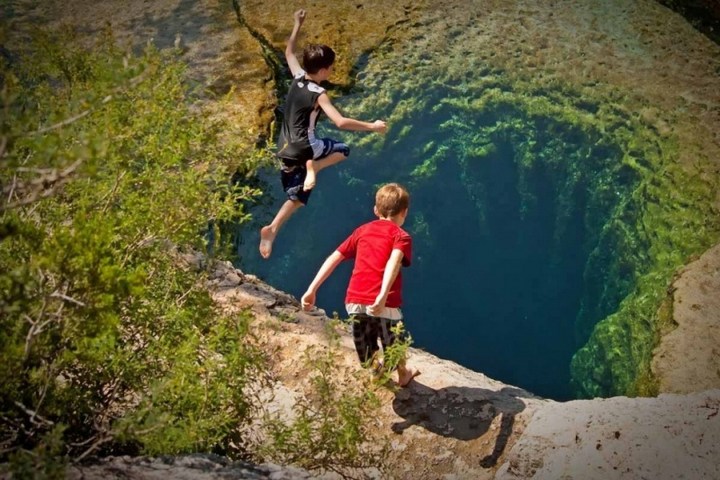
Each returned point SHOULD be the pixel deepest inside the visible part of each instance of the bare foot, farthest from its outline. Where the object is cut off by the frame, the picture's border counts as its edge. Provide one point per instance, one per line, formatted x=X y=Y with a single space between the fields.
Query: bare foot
x=406 y=375
x=266 y=240
x=309 y=180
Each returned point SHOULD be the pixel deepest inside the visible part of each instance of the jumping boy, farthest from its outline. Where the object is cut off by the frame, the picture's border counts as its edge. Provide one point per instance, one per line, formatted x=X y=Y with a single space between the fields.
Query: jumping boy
x=373 y=295
x=302 y=153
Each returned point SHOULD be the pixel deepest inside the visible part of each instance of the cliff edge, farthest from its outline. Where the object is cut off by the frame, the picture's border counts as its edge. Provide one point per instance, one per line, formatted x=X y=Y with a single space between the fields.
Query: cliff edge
x=451 y=422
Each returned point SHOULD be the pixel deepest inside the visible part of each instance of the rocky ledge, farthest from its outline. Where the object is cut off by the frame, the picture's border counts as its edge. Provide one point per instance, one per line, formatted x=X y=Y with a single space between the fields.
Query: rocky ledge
x=455 y=423
x=195 y=467
x=452 y=422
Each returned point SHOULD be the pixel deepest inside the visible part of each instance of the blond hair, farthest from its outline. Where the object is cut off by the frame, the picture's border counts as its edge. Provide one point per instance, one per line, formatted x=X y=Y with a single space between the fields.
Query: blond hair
x=391 y=199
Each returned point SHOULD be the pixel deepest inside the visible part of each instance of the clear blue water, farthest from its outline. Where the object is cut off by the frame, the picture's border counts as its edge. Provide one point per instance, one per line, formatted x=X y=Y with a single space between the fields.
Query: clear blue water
x=501 y=239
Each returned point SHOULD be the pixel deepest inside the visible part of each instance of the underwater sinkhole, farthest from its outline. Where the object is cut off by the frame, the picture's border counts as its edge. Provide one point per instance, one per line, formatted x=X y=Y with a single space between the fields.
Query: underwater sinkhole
x=513 y=256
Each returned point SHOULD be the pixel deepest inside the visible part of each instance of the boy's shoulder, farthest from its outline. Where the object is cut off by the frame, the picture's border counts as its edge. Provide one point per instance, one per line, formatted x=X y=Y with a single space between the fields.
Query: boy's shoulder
x=381 y=226
x=299 y=80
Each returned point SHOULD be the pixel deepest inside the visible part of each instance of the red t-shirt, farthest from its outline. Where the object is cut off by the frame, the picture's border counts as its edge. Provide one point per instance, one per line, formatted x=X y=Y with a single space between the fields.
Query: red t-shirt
x=370 y=245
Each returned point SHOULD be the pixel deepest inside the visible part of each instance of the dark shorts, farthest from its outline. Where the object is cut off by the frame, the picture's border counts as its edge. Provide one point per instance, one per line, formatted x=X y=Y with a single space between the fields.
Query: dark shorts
x=292 y=179
x=293 y=176
x=368 y=330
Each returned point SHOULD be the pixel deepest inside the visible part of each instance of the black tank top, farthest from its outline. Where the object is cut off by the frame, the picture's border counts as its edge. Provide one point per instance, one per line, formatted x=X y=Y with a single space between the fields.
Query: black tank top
x=300 y=117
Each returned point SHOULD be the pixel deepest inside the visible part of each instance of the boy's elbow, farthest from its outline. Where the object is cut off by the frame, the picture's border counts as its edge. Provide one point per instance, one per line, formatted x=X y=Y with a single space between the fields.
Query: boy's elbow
x=343 y=123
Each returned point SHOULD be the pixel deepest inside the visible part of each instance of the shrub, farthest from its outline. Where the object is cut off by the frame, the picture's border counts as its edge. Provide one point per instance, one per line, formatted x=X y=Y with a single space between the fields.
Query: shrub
x=107 y=343
x=331 y=429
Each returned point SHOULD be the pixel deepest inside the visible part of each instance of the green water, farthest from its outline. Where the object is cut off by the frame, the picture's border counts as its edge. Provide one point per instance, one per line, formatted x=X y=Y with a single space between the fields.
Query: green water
x=547 y=228
x=548 y=218
x=506 y=214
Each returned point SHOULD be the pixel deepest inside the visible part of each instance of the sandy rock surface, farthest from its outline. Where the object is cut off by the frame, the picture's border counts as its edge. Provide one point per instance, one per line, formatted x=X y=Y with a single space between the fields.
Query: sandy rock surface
x=688 y=358
x=187 y=467
x=449 y=421
x=668 y=437
x=454 y=423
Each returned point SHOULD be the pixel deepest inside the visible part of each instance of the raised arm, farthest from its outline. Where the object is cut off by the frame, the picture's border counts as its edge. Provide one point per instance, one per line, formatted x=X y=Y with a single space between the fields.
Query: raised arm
x=345 y=123
x=392 y=267
x=292 y=60
x=328 y=266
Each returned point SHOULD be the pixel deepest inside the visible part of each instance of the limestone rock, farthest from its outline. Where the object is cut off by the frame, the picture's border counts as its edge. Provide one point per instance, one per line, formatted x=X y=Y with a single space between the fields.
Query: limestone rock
x=186 y=467
x=688 y=358
x=671 y=436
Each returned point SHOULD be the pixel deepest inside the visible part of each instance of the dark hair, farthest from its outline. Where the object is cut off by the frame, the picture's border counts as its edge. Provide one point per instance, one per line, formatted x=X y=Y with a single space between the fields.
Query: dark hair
x=316 y=57
x=391 y=199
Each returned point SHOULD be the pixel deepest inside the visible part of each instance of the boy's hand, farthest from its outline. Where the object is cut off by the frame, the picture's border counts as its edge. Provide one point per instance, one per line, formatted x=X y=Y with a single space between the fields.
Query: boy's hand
x=299 y=16
x=308 y=300
x=379 y=126
x=378 y=306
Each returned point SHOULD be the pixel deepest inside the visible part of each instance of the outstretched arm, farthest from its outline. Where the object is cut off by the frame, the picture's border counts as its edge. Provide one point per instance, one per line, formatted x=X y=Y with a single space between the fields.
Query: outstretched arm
x=328 y=266
x=392 y=267
x=348 y=123
x=292 y=60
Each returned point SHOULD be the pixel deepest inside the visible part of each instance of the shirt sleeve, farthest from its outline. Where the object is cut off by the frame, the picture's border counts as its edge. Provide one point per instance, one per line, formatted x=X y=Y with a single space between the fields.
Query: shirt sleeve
x=348 y=247
x=403 y=242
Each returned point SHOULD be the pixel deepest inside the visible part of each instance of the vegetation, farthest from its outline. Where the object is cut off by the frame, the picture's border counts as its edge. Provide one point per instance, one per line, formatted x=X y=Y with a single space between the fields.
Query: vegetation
x=104 y=339
x=109 y=342
x=330 y=430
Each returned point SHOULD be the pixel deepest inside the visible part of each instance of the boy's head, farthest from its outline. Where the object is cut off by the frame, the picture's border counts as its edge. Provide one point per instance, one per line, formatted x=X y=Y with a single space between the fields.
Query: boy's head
x=316 y=57
x=391 y=199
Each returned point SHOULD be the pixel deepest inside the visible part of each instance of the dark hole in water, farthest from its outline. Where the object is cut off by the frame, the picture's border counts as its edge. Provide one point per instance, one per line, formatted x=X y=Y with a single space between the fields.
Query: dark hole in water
x=505 y=220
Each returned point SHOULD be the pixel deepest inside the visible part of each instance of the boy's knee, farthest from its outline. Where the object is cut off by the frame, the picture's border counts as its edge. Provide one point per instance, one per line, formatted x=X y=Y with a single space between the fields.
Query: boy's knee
x=339 y=148
x=342 y=154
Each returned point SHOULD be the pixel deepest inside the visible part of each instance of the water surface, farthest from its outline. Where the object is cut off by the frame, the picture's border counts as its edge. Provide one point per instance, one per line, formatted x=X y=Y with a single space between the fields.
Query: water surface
x=505 y=213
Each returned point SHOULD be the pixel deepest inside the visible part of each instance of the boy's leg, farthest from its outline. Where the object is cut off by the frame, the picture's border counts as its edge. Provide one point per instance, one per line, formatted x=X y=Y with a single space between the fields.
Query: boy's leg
x=332 y=152
x=331 y=159
x=269 y=232
x=406 y=374
x=292 y=179
x=364 y=337
x=310 y=177
x=388 y=338
x=314 y=166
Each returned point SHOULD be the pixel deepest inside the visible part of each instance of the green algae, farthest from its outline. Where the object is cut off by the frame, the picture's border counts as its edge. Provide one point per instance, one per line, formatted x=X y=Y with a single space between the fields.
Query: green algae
x=677 y=219
x=646 y=214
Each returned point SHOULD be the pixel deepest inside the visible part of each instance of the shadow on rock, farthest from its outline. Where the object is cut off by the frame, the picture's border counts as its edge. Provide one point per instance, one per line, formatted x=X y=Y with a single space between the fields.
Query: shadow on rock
x=462 y=413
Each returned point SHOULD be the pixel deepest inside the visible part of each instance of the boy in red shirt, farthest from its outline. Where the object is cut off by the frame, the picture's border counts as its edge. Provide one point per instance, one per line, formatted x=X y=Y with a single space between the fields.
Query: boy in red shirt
x=373 y=296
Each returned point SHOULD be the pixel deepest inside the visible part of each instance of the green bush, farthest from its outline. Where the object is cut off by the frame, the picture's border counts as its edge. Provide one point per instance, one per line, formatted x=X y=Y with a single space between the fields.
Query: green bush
x=107 y=343
x=331 y=426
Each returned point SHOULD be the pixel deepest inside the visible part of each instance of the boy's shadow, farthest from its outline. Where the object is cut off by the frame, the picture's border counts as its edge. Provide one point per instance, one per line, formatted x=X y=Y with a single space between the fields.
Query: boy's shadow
x=463 y=413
